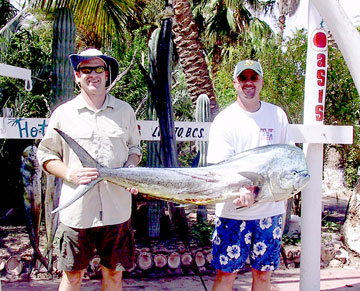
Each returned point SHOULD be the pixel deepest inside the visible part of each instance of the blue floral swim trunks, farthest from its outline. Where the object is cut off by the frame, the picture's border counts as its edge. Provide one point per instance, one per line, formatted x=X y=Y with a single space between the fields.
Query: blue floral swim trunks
x=236 y=240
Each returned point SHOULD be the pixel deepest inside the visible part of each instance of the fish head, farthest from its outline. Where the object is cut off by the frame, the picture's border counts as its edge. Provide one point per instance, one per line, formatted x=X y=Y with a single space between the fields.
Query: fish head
x=288 y=173
x=293 y=181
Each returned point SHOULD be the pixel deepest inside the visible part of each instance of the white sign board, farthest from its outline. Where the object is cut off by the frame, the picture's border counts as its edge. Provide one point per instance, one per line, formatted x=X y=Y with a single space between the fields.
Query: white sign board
x=16 y=72
x=34 y=128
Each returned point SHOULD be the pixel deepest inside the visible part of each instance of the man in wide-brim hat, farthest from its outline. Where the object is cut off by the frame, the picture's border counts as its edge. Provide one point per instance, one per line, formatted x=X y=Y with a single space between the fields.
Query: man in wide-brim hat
x=99 y=222
x=112 y=66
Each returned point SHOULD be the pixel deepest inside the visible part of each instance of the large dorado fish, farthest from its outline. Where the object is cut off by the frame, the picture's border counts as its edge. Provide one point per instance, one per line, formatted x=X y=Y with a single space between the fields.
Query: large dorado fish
x=32 y=178
x=279 y=171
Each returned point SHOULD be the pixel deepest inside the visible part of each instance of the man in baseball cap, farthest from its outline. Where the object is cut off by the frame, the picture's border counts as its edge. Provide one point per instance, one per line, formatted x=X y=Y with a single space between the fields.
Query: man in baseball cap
x=248 y=64
x=240 y=230
x=99 y=222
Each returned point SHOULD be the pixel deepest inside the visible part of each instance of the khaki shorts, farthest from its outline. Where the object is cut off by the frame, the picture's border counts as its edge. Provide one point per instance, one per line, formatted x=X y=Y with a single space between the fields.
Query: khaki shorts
x=113 y=243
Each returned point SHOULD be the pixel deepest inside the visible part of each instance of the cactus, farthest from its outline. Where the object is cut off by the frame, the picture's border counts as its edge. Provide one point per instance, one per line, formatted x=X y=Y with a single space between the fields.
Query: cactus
x=63 y=45
x=153 y=147
x=153 y=161
x=202 y=114
x=62 y=90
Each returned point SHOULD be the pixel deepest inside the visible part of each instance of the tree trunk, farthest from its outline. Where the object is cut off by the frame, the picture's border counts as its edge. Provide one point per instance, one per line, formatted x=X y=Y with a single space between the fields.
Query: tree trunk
x=14 y=265
x=186 y=259
x=144 y=261
x=160 y=261
x=191 y=55
x=200 y=259
x=209 y=257
x=286 y=8
x=174 y=260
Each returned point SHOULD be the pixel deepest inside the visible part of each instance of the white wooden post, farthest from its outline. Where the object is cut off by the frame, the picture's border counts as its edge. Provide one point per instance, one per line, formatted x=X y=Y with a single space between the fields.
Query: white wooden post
x=314 y=107
x=311 y=196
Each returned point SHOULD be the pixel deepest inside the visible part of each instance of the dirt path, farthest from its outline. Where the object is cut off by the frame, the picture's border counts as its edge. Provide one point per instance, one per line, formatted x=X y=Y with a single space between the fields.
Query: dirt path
x=282 y=280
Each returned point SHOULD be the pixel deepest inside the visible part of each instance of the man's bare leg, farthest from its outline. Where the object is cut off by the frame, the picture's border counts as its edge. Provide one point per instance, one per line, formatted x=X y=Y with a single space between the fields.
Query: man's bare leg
x=111 y=279
x=224 y=281
x=71 y=281
x=261 y=280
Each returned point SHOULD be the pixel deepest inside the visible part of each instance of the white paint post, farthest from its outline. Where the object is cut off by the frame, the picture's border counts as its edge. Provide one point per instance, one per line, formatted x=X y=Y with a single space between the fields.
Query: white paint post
x=311 y=196
x=311 y=205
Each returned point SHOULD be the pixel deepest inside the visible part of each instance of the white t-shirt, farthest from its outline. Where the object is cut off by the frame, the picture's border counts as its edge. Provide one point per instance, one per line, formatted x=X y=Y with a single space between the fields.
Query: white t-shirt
x=235 y=130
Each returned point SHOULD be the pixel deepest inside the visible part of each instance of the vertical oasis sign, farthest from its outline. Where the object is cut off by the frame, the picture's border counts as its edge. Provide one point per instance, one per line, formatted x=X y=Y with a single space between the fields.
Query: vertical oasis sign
x=316 y=74
x=319 y=45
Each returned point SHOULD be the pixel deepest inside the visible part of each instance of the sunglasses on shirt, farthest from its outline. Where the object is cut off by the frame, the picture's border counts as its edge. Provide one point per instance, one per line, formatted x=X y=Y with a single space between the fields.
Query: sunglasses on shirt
x=88 y=70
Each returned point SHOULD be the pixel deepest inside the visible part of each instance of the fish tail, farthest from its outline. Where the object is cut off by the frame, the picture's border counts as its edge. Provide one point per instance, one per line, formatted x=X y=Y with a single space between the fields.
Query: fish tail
x=87 y=161
x=85 y=158
x=83 y=189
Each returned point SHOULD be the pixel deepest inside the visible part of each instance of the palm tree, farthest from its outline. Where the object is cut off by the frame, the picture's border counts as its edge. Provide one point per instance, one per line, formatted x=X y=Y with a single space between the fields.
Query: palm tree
x=9 y=21
x=227 y=26
x=98 y=22
x=8 y=12
x=286 y=8
x=191 y=54
x=102 y=19
x=225 y=23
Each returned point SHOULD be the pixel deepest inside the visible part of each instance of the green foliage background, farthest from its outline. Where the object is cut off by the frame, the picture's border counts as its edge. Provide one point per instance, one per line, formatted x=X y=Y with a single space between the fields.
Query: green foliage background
x=284 y=73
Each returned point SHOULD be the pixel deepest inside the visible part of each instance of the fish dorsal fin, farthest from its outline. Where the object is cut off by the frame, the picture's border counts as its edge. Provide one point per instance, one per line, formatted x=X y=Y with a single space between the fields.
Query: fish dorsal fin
x=256 y=178
x=85 y=158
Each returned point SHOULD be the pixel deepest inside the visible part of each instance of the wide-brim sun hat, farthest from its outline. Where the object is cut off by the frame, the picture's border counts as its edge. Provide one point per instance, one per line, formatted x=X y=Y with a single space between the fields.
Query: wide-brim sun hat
x=111 y=63
x=248 y=64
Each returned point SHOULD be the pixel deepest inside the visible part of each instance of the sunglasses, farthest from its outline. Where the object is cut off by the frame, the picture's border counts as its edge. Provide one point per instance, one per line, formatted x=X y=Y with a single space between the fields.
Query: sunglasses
x=243 y=78
x=88 y=70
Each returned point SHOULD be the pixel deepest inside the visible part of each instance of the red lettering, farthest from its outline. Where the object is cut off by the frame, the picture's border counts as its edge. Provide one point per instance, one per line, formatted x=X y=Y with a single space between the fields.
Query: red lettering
x=321 y=76
x=321 y=95
x=319 y=113
x=321 y=63
x=321 y=79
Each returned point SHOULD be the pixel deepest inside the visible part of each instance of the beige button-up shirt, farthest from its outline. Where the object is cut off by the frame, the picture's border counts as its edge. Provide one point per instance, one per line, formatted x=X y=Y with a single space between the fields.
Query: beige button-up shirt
x=110 y=135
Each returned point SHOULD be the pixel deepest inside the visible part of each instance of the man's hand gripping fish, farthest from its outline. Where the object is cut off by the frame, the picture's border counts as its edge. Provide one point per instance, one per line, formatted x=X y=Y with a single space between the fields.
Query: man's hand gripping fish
x=279 y=171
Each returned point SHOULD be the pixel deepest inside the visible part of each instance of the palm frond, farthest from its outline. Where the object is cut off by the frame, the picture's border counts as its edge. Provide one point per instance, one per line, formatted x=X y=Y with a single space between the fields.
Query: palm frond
x=104 y=18
x=11 y=27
